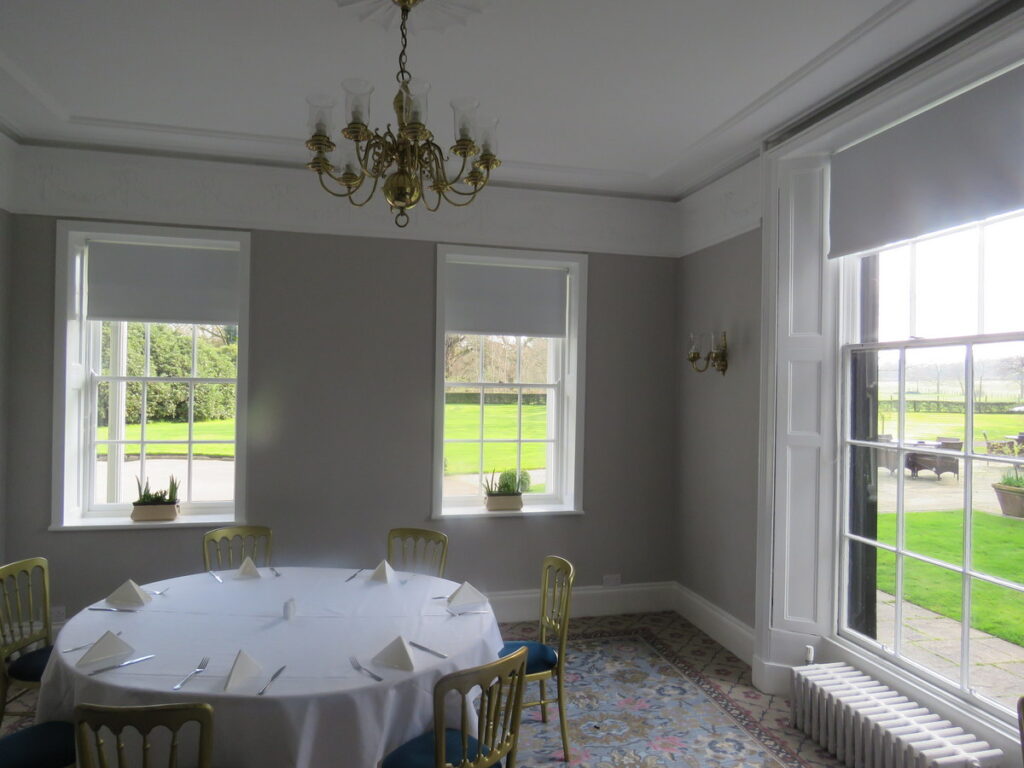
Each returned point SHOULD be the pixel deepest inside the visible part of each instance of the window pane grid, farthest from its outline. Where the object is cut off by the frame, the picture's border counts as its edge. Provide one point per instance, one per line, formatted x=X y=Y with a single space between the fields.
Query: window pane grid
x=969 y=454
x=519 y=414
x=168 y=443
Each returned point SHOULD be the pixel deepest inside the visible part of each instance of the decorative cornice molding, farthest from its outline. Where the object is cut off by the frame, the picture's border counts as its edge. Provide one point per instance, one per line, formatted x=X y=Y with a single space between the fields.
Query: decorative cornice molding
x=722 y=210
x=130 y=187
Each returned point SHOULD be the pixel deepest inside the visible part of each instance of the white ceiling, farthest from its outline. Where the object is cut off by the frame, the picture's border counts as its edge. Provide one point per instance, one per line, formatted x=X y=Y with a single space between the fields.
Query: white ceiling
x=640 y=97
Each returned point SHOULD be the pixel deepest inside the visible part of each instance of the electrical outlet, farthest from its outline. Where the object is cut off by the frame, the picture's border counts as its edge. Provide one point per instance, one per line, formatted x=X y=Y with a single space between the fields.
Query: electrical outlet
x=58 y=614
x=612 y=579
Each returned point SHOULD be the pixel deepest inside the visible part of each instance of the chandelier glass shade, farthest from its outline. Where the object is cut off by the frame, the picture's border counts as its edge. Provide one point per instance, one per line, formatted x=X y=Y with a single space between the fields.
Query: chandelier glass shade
x=405 y=161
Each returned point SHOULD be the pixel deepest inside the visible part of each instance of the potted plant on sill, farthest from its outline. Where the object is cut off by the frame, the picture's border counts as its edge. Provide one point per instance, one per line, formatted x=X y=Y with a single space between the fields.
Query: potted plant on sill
x=506 y=495
x=156 y=506
x=1010 y=492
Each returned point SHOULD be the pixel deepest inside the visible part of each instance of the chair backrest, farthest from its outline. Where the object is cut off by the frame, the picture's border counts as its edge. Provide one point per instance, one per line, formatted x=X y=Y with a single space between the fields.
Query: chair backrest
x=951 y=443
x=557 y=577
x=93 y=720
x=419 y=550
x=24 y=605
x=230 y=546
x=500 y=687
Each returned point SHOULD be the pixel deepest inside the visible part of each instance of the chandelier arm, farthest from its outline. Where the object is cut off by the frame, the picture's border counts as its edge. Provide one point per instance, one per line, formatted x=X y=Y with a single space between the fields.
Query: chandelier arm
x=330 y=191
x=432 y=208
x=472 y=197
x=369 y=197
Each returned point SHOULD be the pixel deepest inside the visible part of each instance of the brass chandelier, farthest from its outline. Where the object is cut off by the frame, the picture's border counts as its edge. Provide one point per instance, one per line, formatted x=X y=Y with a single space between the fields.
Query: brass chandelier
x=408 y=160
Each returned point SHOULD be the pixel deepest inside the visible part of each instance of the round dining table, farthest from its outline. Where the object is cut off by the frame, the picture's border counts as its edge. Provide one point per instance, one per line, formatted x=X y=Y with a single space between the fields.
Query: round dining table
x=321 y=711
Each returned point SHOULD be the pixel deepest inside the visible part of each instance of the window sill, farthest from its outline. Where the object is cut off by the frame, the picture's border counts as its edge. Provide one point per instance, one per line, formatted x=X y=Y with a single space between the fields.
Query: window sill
x=123 y=524
x=532 y=510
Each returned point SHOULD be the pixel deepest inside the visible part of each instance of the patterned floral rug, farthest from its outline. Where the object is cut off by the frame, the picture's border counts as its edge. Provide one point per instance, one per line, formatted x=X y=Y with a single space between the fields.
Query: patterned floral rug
x=650 y=691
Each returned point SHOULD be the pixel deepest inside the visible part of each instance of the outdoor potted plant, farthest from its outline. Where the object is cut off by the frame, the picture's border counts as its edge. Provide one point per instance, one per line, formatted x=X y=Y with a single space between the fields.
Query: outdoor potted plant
x=159 y=505
x=506 y=495
x=1010 y=492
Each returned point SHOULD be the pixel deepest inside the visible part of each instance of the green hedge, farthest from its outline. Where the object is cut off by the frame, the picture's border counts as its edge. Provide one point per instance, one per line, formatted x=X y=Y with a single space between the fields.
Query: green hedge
x=171 y=355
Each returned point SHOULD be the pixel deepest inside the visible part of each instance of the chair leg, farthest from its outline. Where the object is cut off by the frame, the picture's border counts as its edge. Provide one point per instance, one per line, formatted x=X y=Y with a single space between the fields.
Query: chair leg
x=543 y=703
x=561 y=718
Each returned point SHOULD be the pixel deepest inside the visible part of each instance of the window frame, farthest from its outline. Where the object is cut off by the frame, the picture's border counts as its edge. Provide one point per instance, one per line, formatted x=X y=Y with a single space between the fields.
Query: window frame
x=568 y=385
x=73 y=411
x=849 y=343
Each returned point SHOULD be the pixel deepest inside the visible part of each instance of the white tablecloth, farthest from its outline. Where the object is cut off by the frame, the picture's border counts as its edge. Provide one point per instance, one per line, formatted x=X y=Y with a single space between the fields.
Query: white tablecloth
x=320 y=711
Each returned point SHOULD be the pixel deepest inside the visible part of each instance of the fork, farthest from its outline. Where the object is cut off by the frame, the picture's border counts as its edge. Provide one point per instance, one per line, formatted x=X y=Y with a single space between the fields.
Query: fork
x=360 y=668
x=198 y=670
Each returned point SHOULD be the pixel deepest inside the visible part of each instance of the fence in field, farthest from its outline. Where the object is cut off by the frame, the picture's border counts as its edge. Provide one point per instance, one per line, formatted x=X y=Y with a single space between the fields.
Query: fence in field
x=947 y=406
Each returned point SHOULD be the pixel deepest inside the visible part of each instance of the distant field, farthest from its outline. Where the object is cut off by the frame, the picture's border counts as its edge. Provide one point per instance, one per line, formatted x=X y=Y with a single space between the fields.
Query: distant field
x=173 y=430
x=928 y=426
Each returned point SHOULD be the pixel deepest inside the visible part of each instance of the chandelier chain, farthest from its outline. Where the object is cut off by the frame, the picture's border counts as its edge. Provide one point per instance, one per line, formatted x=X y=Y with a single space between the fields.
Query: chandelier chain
x=403 y=75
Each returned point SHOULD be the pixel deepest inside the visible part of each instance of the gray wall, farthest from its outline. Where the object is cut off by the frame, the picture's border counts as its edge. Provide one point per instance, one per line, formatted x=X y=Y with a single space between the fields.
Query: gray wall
x=6 y=257
x=719 y=288
x=341 y=420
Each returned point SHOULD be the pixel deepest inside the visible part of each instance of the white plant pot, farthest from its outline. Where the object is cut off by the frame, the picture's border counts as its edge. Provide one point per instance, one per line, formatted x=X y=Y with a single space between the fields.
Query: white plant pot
x=505 y=503
x=151 y=513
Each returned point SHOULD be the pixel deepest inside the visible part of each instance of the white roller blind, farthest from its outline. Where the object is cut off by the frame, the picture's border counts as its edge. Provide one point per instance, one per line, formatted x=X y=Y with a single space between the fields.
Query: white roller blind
x=505 y=300
x=163 y=284
x=960 y=162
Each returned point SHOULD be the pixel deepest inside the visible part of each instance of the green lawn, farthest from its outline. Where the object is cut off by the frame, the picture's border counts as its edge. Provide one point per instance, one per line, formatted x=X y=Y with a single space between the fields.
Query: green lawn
x=462 y=422
x=998 y=543
x=174 y=430
x=928 y=426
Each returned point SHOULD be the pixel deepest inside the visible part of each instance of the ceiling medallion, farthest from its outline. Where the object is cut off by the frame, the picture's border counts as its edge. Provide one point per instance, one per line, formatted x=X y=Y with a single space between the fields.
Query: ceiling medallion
x=435 y=15
x=410 y=164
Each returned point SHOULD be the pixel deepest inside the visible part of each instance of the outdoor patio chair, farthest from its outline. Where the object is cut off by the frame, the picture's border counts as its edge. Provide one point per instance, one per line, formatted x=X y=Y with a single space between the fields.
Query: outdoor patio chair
x=1000 y=447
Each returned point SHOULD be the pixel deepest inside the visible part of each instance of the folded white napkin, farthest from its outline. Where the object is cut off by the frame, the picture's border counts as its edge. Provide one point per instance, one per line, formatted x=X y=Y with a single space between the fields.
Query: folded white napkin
x=466 y=598
x=109 y=646
x=242 y=671
x=248 y=570
x=129 y=595
x=383 y=572
x=289 y=608
x=396 y=655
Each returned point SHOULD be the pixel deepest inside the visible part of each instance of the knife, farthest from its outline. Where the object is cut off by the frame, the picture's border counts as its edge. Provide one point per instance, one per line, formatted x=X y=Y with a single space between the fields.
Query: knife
x=115 y=610
x=218 y=578
x=122 y=664
x=354 y=575
x=429 y=650
x=273 y=677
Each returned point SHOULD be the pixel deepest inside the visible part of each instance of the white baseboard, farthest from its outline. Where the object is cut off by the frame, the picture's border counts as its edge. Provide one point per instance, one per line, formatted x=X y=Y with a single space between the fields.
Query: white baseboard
x=524 y=604
x=733 y=634
x=736 y=636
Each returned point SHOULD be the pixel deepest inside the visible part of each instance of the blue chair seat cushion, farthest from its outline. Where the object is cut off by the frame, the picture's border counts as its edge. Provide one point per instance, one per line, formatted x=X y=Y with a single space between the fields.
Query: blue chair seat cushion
x=29 y=666
x=539 y=657
x=47 y=745
x=419 y=752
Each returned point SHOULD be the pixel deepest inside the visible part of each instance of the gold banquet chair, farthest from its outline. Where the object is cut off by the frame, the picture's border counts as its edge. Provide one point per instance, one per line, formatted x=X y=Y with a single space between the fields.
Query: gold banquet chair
x=25 y=634
x=544 y=662
x=93 y=720
x=418 y=550
x=500 y=686
x=243 y=539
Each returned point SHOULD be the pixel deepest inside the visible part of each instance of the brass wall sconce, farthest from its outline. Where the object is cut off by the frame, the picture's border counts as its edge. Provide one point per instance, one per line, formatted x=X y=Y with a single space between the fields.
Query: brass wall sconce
x=716 y=356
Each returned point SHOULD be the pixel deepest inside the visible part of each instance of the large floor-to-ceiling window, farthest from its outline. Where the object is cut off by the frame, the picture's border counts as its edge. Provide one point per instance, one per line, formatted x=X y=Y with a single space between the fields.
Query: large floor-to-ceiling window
x=933 y=450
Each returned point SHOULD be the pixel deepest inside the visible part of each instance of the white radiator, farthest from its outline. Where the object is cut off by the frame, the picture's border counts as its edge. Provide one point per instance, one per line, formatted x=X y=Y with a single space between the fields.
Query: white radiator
x=868 y=725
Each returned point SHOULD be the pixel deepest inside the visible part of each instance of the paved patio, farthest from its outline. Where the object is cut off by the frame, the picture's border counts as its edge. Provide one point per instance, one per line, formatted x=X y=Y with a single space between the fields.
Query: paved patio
x=996 y=666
